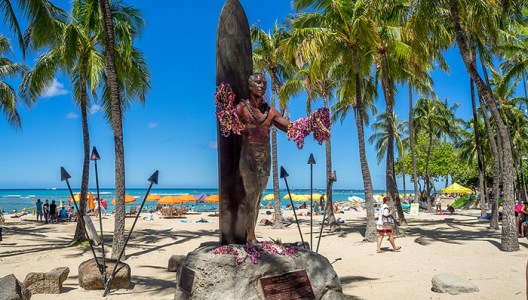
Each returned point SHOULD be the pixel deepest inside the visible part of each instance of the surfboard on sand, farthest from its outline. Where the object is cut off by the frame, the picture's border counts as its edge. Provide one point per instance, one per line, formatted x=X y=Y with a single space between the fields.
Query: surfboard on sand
x=234 y=65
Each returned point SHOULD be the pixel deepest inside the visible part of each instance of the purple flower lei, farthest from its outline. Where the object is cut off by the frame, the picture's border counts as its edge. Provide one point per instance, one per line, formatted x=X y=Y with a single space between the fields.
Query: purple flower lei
x=242 y=252
x=226 y=111
x=318 y=123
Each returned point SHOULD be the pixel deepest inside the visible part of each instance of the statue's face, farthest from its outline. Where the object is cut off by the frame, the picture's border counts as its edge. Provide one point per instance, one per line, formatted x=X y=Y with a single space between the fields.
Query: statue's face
x=258 y=86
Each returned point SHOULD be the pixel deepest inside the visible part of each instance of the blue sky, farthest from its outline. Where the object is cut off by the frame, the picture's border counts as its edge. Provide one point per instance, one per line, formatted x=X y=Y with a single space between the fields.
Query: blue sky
x=175 y=130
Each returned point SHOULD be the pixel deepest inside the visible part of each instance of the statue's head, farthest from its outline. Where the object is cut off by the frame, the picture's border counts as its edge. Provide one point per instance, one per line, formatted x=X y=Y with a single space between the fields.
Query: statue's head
x=258 y=84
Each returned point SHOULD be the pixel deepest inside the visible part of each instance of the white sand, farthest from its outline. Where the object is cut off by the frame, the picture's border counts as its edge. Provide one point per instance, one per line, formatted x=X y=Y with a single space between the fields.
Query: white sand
x=458 y=244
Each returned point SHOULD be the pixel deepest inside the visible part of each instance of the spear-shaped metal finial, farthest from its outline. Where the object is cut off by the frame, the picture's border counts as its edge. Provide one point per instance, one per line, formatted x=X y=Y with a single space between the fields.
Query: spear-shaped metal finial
x=95 y=154
x=64 y=174
x=283 y=173
x=154 y=177
x=311 y=159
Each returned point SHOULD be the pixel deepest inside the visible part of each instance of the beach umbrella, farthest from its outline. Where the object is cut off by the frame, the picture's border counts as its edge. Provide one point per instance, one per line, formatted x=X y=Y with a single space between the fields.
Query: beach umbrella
x=301 y=198
x=456 y=188
x=286 y=197
x=153 y=197
x=357 y=199
x=201 y=197
x=187 y=198
x=128 y=199
x=212 y=198
x=91 y=201
x=75 y=198
x=170 y=200
x=269 y=197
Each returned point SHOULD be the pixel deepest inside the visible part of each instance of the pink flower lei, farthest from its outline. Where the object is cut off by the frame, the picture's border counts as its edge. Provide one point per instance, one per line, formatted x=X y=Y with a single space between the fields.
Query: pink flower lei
x=226 y=111
x=242 y=252
x=318 y=123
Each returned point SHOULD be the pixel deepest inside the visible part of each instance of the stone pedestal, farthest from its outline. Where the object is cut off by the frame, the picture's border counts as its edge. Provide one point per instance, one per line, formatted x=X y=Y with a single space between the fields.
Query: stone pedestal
x=218 y=276
x=90 y=277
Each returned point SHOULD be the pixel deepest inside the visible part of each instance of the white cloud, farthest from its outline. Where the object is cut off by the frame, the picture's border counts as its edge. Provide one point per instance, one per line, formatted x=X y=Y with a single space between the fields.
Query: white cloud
x=213 y=144
x=152 y=125
x=94 y=109
x=56 y=89
x=72 y=116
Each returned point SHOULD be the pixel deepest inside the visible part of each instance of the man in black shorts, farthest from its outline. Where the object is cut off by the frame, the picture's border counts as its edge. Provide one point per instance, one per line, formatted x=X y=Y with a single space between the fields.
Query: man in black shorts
x=53 y=211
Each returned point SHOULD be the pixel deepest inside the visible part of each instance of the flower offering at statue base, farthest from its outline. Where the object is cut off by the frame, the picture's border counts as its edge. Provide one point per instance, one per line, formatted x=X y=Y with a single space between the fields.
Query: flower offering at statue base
x=242 y=252
x=226 y=111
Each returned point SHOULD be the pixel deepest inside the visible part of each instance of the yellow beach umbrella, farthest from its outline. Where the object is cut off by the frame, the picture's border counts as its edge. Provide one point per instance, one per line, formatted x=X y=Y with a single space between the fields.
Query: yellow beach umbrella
x=301 y=198
x=456 y=188
x=153 y=197
x=212 y=199
x=188 y=198
x=128 y=199
x=75 y=198
x=269 y=197
x=170 y=200
x=287 y=197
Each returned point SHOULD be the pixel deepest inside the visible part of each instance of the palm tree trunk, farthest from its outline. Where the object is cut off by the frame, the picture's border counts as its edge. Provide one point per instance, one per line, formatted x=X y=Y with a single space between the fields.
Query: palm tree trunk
x=118 y=242
x=277 y=223
x=509 y=241
x=370 y=232
x=331 y=219
x=427 y=176
x=411 y=140
x=478 y=145
x=79 y=231
x=392 y=188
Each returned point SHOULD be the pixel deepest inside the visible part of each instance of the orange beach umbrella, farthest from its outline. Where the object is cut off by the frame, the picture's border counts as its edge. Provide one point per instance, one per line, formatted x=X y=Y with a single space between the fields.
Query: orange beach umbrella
x=91 y=199
x=188 y=198
x=128 y=199
x=153 y=197
x=170 y=200
x=212 y=199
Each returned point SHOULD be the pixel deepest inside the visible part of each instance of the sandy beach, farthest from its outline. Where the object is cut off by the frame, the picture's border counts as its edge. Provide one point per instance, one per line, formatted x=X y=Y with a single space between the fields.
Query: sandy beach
x=431 y=244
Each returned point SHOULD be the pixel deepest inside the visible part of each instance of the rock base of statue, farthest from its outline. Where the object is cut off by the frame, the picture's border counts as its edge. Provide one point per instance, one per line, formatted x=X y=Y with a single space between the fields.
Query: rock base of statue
x=303 y=275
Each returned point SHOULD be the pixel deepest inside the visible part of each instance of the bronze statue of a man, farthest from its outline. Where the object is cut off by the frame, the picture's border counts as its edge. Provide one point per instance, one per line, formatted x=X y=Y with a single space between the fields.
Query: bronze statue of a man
x=257 y=117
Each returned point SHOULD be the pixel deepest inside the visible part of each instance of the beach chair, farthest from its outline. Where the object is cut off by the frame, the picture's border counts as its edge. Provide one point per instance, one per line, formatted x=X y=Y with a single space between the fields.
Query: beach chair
x=165 y=213
x=132 y=213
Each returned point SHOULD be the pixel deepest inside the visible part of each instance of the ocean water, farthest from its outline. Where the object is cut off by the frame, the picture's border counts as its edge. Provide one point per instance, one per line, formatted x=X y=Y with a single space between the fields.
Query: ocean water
x=18 y=199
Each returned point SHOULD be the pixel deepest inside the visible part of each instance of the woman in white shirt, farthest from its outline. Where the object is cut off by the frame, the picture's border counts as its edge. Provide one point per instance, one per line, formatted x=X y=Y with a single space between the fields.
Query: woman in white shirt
x=385 y=224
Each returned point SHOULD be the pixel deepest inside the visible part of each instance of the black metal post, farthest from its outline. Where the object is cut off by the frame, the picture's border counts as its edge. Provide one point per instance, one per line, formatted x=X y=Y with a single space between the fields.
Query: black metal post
x=311 y=162
x=284 y=174
x=64 y=177
x=320 y=233
x=95 y=157
x=153 y=180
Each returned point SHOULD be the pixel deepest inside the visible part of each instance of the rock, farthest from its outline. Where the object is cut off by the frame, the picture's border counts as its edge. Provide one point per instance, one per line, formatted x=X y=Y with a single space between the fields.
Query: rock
x=174 y=262
x=90 y=277
x=449 y=283
x=46 y=283
x=217 y=276
x=12 y=289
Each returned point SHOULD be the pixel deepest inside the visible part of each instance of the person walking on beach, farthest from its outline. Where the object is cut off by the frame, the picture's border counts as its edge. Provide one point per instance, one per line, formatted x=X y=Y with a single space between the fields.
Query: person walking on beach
x=385 y=224
x=45 y=210
x=53 y=211
x=39 y=210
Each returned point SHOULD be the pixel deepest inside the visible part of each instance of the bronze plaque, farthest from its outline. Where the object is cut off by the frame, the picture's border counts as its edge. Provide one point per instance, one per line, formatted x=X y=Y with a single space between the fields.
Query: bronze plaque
x=287 y=286
x=186 y=280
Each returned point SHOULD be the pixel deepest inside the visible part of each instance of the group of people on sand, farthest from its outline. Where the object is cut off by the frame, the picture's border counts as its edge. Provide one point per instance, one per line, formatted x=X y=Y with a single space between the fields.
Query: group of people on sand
x=50 y=212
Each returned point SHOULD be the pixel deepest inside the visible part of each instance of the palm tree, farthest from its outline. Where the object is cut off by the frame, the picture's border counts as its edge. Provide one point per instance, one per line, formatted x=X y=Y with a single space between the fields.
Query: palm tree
x=8 y=69
x=268 y=56
x=342 y=28
x=433 y=118
x=488 y=27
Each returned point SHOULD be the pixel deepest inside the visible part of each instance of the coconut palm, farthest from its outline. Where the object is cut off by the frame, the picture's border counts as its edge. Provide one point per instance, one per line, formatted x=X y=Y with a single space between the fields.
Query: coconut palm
x=269 y=57
x=9 y=69
x=77 y=51
x=488 y=26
